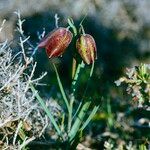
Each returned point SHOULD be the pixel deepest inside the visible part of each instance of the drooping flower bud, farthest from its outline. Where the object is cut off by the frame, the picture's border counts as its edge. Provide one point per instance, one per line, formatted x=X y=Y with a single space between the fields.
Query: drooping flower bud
x=86 y=47
x=56 y=42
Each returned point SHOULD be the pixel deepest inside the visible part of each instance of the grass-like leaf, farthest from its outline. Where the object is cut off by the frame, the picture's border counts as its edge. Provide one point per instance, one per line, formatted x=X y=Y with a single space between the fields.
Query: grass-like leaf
x=76 y=77
x=46 y=109
x=90 y=117
x=78 y=121
x=61 y=88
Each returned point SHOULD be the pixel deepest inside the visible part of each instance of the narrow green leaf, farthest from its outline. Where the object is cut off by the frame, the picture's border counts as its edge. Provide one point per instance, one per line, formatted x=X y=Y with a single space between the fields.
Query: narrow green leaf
x=77 y=110
x=88 y=81
x=80 y=118
x=76 y=77
x=22 y=134
x=62 y=122
x=61 y=88
x=90 y=117
x=46 y=109
x=76 y=126
x=92 y=69
x=70 y=112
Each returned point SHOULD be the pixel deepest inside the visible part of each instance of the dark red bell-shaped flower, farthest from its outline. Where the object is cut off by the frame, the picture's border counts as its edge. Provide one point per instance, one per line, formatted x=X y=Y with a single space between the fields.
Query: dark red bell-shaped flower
x=86 y=47
x=56 y=42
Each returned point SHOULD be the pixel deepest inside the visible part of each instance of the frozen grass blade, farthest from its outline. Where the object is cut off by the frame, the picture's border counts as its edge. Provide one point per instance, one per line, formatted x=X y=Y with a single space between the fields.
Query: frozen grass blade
x=46 y=109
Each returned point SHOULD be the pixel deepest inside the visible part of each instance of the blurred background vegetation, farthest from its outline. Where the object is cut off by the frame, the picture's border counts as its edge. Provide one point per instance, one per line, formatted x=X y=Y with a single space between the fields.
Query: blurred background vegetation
x=121 y=29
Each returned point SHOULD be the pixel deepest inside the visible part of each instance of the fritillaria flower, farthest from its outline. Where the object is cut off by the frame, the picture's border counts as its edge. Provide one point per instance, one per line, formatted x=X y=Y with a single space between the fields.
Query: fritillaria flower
x=56 y=42
x=86 y=47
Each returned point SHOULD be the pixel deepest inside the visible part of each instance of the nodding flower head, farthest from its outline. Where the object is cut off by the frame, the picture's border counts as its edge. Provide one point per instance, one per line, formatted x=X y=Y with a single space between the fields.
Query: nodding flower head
x=86 y=47
x=56 y=42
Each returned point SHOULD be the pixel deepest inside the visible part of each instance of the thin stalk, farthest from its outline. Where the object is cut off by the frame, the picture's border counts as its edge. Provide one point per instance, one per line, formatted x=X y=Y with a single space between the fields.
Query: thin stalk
x=71 y=24
x=75 y=73
x=83 y=19
x=82 y=29
x=72 y=96
x=92 y=69
x=61 y=88
x=74 y=63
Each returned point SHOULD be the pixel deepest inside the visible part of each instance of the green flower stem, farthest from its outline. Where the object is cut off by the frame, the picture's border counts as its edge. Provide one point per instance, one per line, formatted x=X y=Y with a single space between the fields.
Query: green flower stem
x=71 y=24
x=74 y=63
x=80 y=118
x=75 y=73
x=75 y=79
x=82 y=29
x=62 y=89
x=92 y=69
